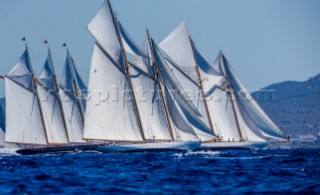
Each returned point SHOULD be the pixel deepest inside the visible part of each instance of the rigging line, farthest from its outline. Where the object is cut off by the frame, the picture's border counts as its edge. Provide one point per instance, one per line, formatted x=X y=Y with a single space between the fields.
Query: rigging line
x=127 y=70
x=201 y=87
x=35 y=86
x=159 y=86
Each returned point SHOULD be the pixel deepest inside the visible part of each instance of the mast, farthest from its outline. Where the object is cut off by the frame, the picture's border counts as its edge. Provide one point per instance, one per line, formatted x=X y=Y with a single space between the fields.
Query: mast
x=159 y=85
x=201 y=88
x=124 y=56
x=34 y=80
x=232 y=99
x=59 y=99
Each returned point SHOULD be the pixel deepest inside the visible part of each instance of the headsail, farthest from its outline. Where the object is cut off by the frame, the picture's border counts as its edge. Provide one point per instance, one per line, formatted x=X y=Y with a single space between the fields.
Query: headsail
x=22 y=105
x=110 y=113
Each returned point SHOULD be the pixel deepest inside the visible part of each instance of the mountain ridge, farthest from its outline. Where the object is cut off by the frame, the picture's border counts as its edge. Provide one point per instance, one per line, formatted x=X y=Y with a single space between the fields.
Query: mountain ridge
x=295 y=107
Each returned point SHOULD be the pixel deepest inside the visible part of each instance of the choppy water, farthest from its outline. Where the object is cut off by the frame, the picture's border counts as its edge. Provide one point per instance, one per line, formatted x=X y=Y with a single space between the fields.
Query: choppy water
x=267 y=171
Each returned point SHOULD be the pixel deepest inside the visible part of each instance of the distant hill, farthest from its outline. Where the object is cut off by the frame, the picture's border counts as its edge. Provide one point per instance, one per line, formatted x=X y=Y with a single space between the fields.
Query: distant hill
x=293 y=106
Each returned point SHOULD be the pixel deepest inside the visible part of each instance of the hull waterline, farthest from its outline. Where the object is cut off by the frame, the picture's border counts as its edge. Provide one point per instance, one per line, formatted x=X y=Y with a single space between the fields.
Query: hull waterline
x=57 y=149
x=150 y=147
x=8 y=151
x=233 y=145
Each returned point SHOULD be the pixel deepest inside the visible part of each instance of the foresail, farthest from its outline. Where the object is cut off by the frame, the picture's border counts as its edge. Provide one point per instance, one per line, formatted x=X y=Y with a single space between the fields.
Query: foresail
x=110 y=113
x=103 y=29
x=23 y=106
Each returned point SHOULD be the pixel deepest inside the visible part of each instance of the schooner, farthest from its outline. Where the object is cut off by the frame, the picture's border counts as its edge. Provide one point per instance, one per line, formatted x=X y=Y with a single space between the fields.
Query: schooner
x=121 y=120
x=36 y=104
x=223 y=101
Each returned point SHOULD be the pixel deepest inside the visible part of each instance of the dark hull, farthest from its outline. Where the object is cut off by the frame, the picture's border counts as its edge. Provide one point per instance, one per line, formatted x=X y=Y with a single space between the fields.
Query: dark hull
x=56 y=149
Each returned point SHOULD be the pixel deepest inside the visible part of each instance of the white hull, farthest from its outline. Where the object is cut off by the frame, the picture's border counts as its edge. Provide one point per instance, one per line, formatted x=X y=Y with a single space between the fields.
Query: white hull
x=159 y=146
x=8 y=151
x=233 y=145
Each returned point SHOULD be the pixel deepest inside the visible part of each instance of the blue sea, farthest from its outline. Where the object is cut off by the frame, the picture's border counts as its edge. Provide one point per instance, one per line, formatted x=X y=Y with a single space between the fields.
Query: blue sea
x=202 y=172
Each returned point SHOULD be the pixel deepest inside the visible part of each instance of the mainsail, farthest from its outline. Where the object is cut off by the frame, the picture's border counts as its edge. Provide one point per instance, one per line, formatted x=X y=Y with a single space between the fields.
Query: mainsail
x=22 y=105
x=180 y=59
x=110 y=113
x=51 y=105
x=110 y=59
x=72 y=87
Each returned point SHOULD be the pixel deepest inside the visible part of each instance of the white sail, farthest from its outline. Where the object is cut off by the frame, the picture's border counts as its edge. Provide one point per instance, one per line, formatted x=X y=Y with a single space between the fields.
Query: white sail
x=259 y=119
x=72 y=109
x=50 y=103
x=149 y=102
x=129 y=44
x=177 y=46
x=145 y=63
x=181 y=129
x=80 y=83
x=187 y=107
x=182 y=63
x=23 y=117
x=103 y=29
x=224 y=111
x=110 y=114
x=222 y=115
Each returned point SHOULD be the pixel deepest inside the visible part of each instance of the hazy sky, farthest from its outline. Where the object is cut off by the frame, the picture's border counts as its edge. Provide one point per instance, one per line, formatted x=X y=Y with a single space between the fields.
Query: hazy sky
x=266 y=41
